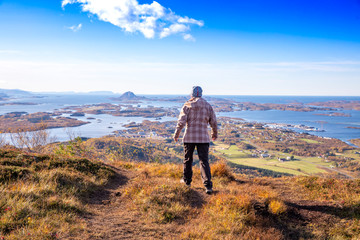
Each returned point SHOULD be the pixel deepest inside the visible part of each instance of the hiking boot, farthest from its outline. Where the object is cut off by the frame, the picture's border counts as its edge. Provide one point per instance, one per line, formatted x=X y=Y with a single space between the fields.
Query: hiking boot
x=186 y=184
x=208 y=190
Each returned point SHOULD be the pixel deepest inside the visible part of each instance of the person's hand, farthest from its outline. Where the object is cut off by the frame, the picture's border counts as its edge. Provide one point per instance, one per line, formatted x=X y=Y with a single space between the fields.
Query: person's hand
x=176 y=139
x=214 y=138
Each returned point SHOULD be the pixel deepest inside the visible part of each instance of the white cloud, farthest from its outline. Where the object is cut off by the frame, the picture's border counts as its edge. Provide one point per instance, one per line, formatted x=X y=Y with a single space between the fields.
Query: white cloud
x=152 y=20
x=189 y=37
x=190 y=20
x=173 y=29
x=75 y=28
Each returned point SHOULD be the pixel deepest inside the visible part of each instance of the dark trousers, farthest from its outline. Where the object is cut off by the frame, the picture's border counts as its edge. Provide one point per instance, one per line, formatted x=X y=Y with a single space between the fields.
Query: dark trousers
x=203 y=153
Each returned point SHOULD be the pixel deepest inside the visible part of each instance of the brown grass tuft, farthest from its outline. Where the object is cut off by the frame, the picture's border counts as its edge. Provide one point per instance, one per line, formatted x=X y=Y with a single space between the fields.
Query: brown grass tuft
x=221 y=170
x=277 y=207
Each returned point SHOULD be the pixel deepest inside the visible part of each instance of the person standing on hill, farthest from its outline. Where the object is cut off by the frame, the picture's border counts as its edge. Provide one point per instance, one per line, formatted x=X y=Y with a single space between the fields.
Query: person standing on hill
x=195 y=116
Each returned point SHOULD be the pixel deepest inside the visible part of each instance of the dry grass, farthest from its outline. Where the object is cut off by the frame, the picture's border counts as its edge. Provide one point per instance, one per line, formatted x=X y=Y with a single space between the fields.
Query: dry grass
x=233 y=213
x=242 y=207
x=162 y=202
x=158 y=193
x=163 y=170
x=42 y=196
x=346 y=192
x=228 y=214
x=221 y=170
x=277 y=207
x=344 y=195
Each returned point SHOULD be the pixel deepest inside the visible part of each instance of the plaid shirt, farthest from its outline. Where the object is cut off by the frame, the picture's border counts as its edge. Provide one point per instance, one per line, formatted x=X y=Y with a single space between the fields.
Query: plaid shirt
x=196 y=114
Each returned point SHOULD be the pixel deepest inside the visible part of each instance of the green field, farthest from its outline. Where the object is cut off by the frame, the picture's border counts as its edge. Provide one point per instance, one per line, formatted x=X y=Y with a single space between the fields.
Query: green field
x=351 y=154
x=310 y=141
x=299 y=166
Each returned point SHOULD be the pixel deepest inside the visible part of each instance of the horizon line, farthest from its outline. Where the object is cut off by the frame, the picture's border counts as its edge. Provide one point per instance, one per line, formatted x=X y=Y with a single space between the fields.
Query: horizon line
x=173 y=94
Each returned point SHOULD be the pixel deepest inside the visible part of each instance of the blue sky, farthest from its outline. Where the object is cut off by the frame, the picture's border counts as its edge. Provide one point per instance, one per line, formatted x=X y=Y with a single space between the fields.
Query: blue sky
x=258 y=47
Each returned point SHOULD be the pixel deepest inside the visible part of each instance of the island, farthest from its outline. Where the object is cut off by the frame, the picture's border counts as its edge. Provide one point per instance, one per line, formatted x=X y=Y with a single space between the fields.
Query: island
x=355 y=141
x=348 y=105
x=17 y=104
x=334 y=114
x=128 y=97
x=22 y=121
x=351 y=127
x=122 y=110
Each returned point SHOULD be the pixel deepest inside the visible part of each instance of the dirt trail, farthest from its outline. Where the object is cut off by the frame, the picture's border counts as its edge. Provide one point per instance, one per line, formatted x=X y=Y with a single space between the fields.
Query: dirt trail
x=111 y=217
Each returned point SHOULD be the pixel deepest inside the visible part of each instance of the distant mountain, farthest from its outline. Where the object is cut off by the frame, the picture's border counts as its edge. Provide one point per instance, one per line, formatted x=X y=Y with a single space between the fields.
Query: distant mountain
x=14 y=92
x=128 y=96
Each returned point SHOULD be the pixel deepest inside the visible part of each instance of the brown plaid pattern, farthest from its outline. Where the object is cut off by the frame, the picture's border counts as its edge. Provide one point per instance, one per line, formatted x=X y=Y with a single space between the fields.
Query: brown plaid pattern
x=195 y=116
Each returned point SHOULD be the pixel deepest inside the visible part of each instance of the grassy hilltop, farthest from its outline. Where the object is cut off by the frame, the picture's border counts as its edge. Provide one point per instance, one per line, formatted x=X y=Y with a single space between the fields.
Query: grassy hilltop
x=96 y=190
x=42 y=195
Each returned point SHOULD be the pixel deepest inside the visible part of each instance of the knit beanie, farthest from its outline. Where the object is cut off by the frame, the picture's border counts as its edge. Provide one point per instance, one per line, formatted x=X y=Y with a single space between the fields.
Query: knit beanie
x=196 y=91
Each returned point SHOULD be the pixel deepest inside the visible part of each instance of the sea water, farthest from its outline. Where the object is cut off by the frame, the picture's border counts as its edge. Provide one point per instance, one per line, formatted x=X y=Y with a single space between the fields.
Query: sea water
x=334 y=127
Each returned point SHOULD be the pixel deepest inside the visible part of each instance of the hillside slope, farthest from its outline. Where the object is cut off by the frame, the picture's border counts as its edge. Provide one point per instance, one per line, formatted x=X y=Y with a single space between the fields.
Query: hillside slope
x=52 y=197
x=42 y=196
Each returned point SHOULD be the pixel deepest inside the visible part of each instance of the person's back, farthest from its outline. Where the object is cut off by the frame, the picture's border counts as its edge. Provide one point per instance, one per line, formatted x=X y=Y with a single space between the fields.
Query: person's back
x=199 y=114
x=195 y=116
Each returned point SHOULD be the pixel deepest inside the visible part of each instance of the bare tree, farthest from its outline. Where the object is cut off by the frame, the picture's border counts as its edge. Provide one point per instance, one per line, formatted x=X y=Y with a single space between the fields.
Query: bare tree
x=19 y=138
x=71 y=133
x=3 y=141
x=41 y=137
x=32 y=140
